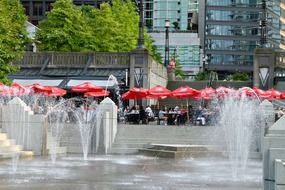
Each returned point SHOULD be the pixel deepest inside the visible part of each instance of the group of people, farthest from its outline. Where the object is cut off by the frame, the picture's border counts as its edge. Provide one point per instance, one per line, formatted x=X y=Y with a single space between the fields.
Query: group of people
x=138 y=114
x=172 y=116
x=169 y=115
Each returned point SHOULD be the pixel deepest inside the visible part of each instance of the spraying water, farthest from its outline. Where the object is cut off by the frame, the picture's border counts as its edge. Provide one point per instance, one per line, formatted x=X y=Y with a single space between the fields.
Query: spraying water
x=56 y=118
x=238 y=118
x=87 y=118
x=116 y=88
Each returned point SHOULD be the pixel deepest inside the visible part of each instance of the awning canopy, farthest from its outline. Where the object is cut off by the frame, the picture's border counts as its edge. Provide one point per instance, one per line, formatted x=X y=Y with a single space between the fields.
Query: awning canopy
x=70 y=83
x=43 y=82
x=102 y=83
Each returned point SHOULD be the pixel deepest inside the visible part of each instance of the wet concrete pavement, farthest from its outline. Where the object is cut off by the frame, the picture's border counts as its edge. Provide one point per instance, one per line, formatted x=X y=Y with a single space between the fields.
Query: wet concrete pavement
x=129 y=172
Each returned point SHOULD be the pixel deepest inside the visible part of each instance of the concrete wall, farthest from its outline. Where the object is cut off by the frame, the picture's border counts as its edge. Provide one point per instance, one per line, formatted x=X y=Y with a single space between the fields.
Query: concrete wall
x=273 y=152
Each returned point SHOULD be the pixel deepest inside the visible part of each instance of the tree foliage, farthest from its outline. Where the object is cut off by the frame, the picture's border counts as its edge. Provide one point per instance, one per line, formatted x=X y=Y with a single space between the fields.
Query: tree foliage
x=151 y=47
x=65 y=29
x=108 y=29
x=13 y=36
x=201 y=76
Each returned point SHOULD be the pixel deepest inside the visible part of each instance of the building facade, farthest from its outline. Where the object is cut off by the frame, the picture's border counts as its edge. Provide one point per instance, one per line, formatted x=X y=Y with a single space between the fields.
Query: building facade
x=229 y=31
x=184 y=46
x=179 y=12
x=183 y=38
x=274 y=21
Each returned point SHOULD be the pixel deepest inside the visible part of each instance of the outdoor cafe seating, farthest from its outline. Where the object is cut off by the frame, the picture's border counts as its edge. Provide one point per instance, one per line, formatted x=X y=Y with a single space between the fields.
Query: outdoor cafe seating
x=133 y=117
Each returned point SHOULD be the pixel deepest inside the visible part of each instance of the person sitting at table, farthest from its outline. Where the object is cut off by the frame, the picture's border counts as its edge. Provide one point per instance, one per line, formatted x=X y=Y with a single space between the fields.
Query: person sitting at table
x=133 y=110
x=200 y=116
x=171 y=116
x=161 y=116
x=143 y=116
x=149 y=113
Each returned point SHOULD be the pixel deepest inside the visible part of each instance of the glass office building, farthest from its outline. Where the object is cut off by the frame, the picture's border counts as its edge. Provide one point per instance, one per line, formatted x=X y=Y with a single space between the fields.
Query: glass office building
x=183 y=39
x=184 y=45
x=157 y=11
x=275 y=24
x=229 y=33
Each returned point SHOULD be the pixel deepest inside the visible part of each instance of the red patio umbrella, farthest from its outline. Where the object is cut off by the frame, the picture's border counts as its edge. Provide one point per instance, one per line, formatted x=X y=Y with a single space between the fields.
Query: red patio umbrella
x=86 y=87
x=158 y=92
x=97 y=94
x=273 y=94
x=206 y=94
x=184 y=92
x=282 y=95
x=261 y=93
x=135 y=93
x=48 y=90
x=222 y=91
x=14 y=90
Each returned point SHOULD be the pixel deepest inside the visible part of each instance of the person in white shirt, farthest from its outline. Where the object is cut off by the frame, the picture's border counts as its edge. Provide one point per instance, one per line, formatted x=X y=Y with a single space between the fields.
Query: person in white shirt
x=149 y=112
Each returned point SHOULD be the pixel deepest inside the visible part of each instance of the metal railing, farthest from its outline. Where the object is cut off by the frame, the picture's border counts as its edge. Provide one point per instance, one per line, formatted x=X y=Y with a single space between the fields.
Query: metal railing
x=72 y=59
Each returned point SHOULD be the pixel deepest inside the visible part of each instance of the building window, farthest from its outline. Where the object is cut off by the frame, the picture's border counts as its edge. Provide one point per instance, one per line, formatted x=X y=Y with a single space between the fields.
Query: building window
x=37 y=9
x=48 y=6
x=27 y=8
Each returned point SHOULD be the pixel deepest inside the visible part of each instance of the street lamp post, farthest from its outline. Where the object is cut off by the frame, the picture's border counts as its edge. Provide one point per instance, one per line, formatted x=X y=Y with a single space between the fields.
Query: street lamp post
x=141 y=26
x=166 y=58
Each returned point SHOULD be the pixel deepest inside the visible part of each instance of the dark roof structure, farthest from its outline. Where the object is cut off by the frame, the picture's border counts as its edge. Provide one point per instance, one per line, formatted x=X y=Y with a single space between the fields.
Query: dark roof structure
x=34 y=67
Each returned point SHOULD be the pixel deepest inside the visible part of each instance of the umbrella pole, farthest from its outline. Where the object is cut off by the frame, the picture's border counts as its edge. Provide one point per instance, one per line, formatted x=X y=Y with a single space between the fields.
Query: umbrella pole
x=158 y=104
x=188 y=118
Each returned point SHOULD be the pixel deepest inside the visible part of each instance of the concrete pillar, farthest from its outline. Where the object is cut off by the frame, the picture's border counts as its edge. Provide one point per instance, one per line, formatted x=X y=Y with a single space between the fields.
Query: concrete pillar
x=268 y=117
x=141 y=70
x=109 y=124
x=263 y=68
x=274 y=150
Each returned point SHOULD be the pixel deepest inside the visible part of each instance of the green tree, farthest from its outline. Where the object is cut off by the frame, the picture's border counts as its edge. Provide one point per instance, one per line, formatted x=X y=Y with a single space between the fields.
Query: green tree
x=126 y=15
x=108 y=29
x=65 y=29
x=13 y=36
x=201 y=76
x=105 y=29
x=238 y=76
x=152 y=48
x=176 y=25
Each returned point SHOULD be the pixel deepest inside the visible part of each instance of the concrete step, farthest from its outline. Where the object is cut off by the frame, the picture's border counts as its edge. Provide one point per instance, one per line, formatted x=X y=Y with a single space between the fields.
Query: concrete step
x=13 y=148
x=118 y=150
x=3 y=136
x=7 y=142
x=22 y=154
x=166 y=141
x=180 y=154
x=180 y=151
x=58 y=150
x=26 y=153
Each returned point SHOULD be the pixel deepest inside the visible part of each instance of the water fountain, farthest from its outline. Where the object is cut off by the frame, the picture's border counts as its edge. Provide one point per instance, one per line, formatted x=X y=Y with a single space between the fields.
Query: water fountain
x=239 y=117
x=117 y=92
x=87 y=118
x=56 y=119
x=134 y=171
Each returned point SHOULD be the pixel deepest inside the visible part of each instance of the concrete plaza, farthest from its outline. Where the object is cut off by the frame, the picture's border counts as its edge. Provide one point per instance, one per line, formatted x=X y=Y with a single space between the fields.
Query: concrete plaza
x=128 y=172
